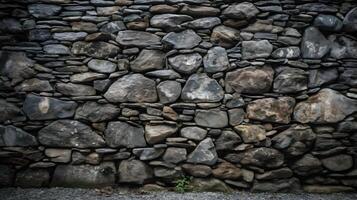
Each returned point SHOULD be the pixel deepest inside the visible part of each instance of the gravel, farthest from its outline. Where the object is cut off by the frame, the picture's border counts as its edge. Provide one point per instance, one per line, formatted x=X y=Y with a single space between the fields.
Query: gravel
x=91 y=194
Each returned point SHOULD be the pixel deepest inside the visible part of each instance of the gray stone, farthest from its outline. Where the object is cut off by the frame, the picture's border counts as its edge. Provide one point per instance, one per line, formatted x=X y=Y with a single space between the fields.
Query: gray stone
x=319 y=77
x=137 y=38
x=225 y=36
x=338 y=163
x=71 y=89
x=132 y=88
x=148 y=60
x=216 y=60
x=186 y=63
x=256 y=49
x=69 y=133
x=175 y=155
x=245 y=10
x=314 y=45
x=43 y=10
x=279 y=185
x=343 y=47
x=39 y=35
x=349 y=22
x=113 y=27
x=8 y=111
x=197 y=170
x=186 y=39
x=168 y=91
x=167 y=173
x=317 y=7
x=226 y=170
x=169 y=22
x=250 y=80
x=327 y=106
x=7 y=175
x=193 y=133
x=327 y=189
x=307 y=165
x=70 y=36
x=102 y=66
x=203 y=23
x=134 y=171
x=45 y=108
x=275 y=174
x=96 y=49
x=158 y=133
x=236 y=116
x=95 y=112
x=11 y=25
x=59 y=155
x=164 y=74
x=251 y=133
x=11 y=136
x=287 y=52
x=86 y=77
x=328 y=23
x=205 y=153
x=148 y=153
x=85 y=176
x=290 y=80
x=209 y=185
x=213 y=118
x=349 y=77
x=122 y=134
x=56 y=49
x=31 y=178
x=34 y=85
x=262 y=157
x=271 y=110
x=228 y=140
x=294 y=141
x=201 y=88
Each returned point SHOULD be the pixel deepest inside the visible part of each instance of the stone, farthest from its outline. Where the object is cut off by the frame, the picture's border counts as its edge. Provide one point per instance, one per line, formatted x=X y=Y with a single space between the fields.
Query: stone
x=8 y=111
x=199 y=10
x=31 y=178
x=250 y=80
x=11 y=136
x=148 y=60
x=34 y=85
x=276 y=110
x=132 y=88
x=287 y=52
x=281 y=173
x=122 y=134
x=175 y=155
x=39 y=35
x=307 y=165
x=348 y=76
x=262 y=157
x=227 y=170
x=236 y=116
x=264 y=27
x=137 y=38
x=256 y=49
x=349 y=22
x=113 y=27
x=95 y=112
x=290 y=80
x=84 y=176
x=56 y=49
x=69 y=133
x=193 y=133
x=134 y=171
x=213 y=118
x=327 y=106
x=328 y=23
x=16 y=66
x=314 y=45
x=169 y=22
x=209 y=185
x=186 y=63
x=186 y=39
x=84 y=26
x=327 y=189
x=338 y=163
x=319 y=77
x=43 y=10
x=163 y=8
x=343 y=47
x=317 y=7
x=228 y=140
x=96 y=49
x=69 y=36
x=59 y=155
x=295 y=141
x=71 y=89
x=202 y=23
x=45 y=108
x=251 y=133
x=148 y=153
x=11 y=25
x=168 y=91
x=158 y=133
x=167 y=174
x=201 y=88
x=216 y=60
x=205 y=153
x=164 y=74
x=86 y=77
x=7 y=175
x=102 y=66
x=279 y=185
x=225 y=36
x=197 y=170
x=245 y=10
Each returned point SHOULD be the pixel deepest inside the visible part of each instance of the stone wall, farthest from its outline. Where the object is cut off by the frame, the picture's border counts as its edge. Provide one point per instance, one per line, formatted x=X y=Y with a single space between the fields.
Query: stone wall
x=253 y=95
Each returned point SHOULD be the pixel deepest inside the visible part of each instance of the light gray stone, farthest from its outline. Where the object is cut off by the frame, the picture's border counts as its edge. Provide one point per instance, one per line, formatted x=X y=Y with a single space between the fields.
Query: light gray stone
x=216 y=60
x=256 y=49
x=213 y=118
x=186 y=63
x=168 y=91
x=186 y=39
x=205 y=153
x=122 y=134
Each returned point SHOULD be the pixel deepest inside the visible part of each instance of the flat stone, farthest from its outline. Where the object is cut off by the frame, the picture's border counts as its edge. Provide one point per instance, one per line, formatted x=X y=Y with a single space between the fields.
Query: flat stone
x=186 y=63
x=213 y=118
x=96 y=49
x=12 y=136
x=132 y=88
x=69 y=133
x=72 y=89
x=290 y=80
x=327 y=189
x=102 y=66
x=175 y=155
x=317 y=7
x=122 y=134
x=164 y=74
x=43 y=10
x=34 y=85
x=39 y=35
x=148 y=60
x=86 y=77
x=137 y=38
x=228 y=140
x=201 y=88
x=321 y=77
x=95 y=112
x=287 y=52
x=256 y=49
x=85 y=176
x=69 y=36
x=209 y=185
x=251 y=133
x=263 y=157
x=158 y=133
x=327 y=106
x=45 y=108
x=271 y=110
x=56 y=49
x=197 y=170
x=134 y=171
x=203 y=23
x=216 y=60
x=328 y=23
x=168 y=91
x=113 y=27
x=205 y=153
x=148 y=153
x=245 y=10
x=349 y=22
x=193 y=133
x=338 y=163
x=314 y=45
x=169 y=22
x=186 y=39
x=225 y=36
x=198 y=10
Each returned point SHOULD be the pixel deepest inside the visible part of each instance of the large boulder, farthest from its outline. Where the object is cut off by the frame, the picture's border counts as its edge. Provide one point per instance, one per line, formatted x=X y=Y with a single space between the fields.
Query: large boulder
x=96 y=49
x=69 y=133
x=186 y=63
x=186 y=39
x=11 y=136
x=327 y=106
x=95 y=112
x=45 y=108
x=148 y=60
x=169 y=22
x=137 y=38
x=123 y=134
x=201 y=88
x=205 y=153
x=132 y=88
x=256 y=49
x=314 y=45
x=350 y=21
x=262 y=157
x=216 y=60
x=245 y=10
x=276 y=110
x=134 y=171
x=290 y=80
x=85 y=176
x=250 y=80
x=213 y=118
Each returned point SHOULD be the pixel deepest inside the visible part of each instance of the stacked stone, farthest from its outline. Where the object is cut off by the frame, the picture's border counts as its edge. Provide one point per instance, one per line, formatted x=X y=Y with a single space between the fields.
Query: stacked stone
x=254 y=95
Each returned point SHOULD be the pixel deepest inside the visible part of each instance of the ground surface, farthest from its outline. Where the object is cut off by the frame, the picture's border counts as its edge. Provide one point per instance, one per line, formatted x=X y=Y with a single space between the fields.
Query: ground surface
x=89 y=194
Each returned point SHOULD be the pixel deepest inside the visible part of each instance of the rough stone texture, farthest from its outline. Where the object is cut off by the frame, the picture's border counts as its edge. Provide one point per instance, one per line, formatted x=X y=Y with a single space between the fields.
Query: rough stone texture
x=290 y=80
x=263 y=157
x=12 y=136
x=204 y=153
x=314 y=44
x=148 y=60
x=211 y=118
x=158 y=133
x=182 y=40
x=134 y=171
x=216 y=60
x=251 y=133
x=186 y=63
x=95 y=112
x=169 y=91
x=122 y=134
x=256 y=49
x=137 y=38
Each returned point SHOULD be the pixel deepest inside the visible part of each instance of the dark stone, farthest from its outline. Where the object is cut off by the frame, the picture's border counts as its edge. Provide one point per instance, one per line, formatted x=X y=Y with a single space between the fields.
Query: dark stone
x=213 y=118
x=168 y=91
x=314 y=45
x=175 y=155
x=338 y=163
x=307 y=165
x=44 y=10
x=275 y=174
x=350 y=21
x=343 y=47
x=7 y=175
x=197 y=170
x=122 y=134
x=228 y=140
x=256 y=49
x=134 y=171
x=227 y=170
x=319 y=77
x=10 y=25
x=225 y=36
x=205 y=153
x=263 y=157
x=169 y=22
x=39 y=35
x=209 y=185
x=148 y=60
x=95 y=112
x=8 y=111
x=328 y=23
x=216 y=60
x=148 y=153
x=97 y=49
x=203 y=23
x=290 y=80
x=245 y=10
x=279 y=185
x=30 y=178
x=72 y=89
x=11 y=136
